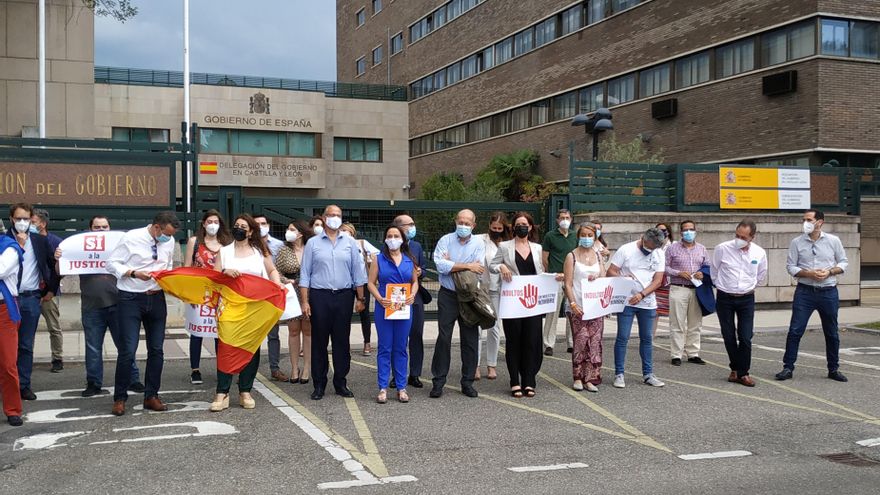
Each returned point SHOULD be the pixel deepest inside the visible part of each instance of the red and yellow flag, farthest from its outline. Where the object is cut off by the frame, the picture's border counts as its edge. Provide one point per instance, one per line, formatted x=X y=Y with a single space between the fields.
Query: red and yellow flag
x=209 y=168
x=247 y=309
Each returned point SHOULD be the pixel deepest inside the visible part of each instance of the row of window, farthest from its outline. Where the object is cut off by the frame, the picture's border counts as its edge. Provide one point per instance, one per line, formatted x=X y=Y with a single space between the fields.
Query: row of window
x=570 y=20
x=299 y=144
x=361 y=15
x=445 y=13
x=357 y=149
x=838 y=37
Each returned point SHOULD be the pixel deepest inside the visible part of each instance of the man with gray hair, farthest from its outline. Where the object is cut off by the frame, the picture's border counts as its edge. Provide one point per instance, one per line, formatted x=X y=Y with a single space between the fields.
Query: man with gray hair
x=49 y=307
x=642 y=261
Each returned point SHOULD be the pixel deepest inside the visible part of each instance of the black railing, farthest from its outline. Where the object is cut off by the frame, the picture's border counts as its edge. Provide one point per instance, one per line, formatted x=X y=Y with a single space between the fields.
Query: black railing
x=174 y=79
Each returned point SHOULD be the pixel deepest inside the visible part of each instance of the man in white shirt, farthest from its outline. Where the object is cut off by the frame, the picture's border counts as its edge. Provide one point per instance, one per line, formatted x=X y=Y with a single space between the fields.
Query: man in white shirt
x=643 y=261
x=272 y=340
x=139 y=253
x=738 y=266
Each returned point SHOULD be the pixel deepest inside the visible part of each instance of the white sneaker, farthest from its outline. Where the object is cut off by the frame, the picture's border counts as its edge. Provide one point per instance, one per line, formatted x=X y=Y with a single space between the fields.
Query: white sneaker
x=653 y=381
x=592 y=388
x=578 y=385
x=619 y=382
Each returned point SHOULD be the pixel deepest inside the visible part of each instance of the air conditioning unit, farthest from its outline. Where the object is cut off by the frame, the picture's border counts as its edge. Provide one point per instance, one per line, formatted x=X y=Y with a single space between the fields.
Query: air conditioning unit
x=664 y=109
x=780 y=84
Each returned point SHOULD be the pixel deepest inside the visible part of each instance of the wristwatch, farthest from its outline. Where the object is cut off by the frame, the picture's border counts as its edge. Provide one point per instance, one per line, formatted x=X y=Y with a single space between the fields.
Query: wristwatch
x=361 y=299
x=131 y=274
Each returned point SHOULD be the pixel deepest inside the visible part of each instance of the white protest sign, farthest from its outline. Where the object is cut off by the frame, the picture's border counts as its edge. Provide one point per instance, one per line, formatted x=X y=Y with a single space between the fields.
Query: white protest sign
x=87 y=253
x=201 y=320
x=291 y=305
x=607 y=295
x=528 y=295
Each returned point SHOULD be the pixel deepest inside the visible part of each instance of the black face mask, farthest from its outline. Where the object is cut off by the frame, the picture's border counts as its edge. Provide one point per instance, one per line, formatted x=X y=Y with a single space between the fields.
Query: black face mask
x=496 y=236
x=239 y=234
x=521 y=231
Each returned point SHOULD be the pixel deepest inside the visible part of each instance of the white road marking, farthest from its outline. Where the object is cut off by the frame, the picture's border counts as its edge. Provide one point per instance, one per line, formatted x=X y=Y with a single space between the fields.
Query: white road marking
x=44 y=440
x=552 y=467
x=871 y=442
x=54 y=415
x=45 y=395
x=858 y=351
x=203 y=429
x=810 y=355
x=715 y=455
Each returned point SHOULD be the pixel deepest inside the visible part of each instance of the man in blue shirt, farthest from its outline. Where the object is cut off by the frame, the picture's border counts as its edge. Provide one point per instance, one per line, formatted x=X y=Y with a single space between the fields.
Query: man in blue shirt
x=416 y=346
x=455 y=252
x=332 y=271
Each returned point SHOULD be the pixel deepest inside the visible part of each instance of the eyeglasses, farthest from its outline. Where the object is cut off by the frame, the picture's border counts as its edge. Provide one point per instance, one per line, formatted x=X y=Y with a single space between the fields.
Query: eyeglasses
x=155 y=247
x=813 y=248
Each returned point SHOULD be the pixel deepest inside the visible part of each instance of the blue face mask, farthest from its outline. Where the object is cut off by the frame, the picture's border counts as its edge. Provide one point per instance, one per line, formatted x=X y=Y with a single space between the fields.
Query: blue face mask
x=598 y=232
x=411 y=233
x=585 y=242
x=463 y=231
x=689 y=235
x=33 y=229
x=164 y=238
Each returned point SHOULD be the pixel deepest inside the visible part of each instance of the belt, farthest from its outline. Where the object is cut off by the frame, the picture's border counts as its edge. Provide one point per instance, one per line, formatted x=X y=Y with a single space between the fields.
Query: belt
x=815 y=288
x=752 y=293
x=683 y=285
x=332 y=291
x=448 y=290
x=29 y=293
x=149 y=292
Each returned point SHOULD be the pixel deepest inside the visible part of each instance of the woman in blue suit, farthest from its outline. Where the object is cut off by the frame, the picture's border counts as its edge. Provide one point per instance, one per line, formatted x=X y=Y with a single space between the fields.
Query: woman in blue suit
x=393 y=265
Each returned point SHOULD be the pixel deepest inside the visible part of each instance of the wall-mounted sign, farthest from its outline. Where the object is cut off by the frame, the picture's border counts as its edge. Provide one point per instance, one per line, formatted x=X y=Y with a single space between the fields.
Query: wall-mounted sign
x=764 y=188
x=267 y=171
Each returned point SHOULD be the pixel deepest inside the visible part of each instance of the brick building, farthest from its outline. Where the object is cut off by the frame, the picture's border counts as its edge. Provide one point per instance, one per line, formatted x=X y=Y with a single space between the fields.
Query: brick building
x=493 y=76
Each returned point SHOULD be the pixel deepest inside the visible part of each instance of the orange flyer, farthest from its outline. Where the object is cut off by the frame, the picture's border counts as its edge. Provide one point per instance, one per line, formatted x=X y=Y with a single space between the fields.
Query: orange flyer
x=398 y=294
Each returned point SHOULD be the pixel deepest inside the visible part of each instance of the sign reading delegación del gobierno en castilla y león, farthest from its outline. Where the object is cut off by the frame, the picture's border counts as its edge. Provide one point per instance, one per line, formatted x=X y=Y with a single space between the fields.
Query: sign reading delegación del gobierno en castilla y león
x=267 y=171
x=764 y=188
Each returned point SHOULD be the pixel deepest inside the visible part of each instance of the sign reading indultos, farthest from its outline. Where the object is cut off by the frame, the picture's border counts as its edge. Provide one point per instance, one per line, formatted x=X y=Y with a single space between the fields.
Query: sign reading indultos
x=764 y=188
x=269 y=171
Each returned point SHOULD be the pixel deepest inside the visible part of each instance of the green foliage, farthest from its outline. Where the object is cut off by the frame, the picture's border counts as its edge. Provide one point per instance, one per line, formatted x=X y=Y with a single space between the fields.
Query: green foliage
x=444 y=186
x=121 y=10
x=610 y=150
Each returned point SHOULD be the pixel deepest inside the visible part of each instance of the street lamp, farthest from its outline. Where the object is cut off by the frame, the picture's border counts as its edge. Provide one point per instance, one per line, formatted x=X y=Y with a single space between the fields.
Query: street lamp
x=595 y=125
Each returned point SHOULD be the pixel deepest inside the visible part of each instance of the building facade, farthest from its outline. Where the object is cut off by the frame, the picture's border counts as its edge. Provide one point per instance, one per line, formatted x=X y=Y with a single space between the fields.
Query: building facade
x=788 y=82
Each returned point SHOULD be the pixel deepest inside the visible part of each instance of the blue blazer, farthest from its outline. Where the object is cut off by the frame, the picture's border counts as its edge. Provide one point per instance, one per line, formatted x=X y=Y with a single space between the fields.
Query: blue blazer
x=423 y=296
x=705 y=296
x=49 y=278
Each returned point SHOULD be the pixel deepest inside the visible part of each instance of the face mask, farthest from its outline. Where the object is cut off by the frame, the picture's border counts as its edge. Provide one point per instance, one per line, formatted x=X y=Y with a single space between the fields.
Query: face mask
x=163 y=238
x=739 y=243
x=809 y=228
x=645 y=251
x=394 y=243
x=318 y=230
x=334 y=222
x=564 y=224
x=212 y=228
x=239 y=234
x=521 y=231
x=463 y=230
x=290 y=236
x=411 y=233
x=598 y=232
x=586 y=242
x=689 y=235
x=22 y=225
x=264 y=231
x=33 y=229
x=495 y=236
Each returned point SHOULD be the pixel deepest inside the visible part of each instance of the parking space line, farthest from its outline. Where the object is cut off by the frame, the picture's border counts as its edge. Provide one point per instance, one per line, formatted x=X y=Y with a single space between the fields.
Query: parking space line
x=806 y=354
x=552 y=467
x=715 y=455
x=808 y=366
x=370 y=449
x=871 y=442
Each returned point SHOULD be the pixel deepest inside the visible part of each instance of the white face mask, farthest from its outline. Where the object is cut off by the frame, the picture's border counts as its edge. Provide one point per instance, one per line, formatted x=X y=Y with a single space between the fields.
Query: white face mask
x=394 y=243
x=809 y=227
x=739 y=243
x=212 y=228
x=318 y=230
x=264 y=231
x=564 y=224
x=22 y=226
x=334 y=222
x=290 y=236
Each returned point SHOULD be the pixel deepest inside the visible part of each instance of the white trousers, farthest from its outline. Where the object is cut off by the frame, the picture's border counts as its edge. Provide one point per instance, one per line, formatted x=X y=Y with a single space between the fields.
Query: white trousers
x=493 y=336
x=685 y=320
x=550 y=320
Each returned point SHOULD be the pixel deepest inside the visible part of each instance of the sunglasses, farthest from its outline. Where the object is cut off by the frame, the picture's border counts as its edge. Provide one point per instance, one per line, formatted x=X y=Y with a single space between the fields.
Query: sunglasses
x=155 y=251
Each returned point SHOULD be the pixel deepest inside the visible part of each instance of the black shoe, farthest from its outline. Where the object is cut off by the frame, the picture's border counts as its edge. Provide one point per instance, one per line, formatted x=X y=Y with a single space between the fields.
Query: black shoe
x=677 y=361
x=785 y=374
x=28 y=394
x=837 y=376
x=345 y=392
x=470 y=392
x=436 y=392
x=196 y=377
x=57 y=366
x=14 y=420
x=548 y=351
x=317 y=395
x=92 y=390
x=415 y=382
x=696 y=360
x=570 y=350
x=137 y=387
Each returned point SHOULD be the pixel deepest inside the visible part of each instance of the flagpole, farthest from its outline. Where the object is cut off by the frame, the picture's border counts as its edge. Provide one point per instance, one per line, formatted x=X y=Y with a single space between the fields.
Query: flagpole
x=186 y=84
x=42 y=61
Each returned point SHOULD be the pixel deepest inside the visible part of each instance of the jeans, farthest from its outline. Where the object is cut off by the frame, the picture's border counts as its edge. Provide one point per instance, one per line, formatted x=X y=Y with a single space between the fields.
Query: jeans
x=624 y=327
x=29 y=306
x=737 y=335
x=95 y=324
x=807 y=299
x=132 y=310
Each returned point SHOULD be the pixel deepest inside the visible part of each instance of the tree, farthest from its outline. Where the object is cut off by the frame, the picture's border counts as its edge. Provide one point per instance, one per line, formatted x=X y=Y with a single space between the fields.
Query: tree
x=632 y=152
x=512 y=172
x=121 y=10
x=444 y=186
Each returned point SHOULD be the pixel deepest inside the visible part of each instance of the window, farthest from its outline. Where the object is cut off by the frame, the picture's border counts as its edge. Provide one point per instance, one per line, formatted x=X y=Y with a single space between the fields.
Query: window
x=439 y=80
x=621 y=90
x=523 y=42
x=361 y=66
x=481 y=129
x=735 y=58
x=377 y=6
x=361 y=17
x=654 y=81
x=415 y=32
x=503 y=51
x=357 y=149
x=519 y=118
x=438 y=18
x=865 y=40
x=592 y=98
x=259 y=143
x=210 y=140
x=487 y=59
x=453 y=73
x=572 y=19
x=454 y=9
x=540 y=112
x=565 y=105
x=456 y=136
x=500 y=124
x=439 y=141
x=302 y=144
x=597 y=11
x=397 y=43
x=469 y=67
x=789 y=43
x=618 y=5
x=692 y=70
x=545 y=32
x=377 y=55
x=835 y=37
x=140 y=135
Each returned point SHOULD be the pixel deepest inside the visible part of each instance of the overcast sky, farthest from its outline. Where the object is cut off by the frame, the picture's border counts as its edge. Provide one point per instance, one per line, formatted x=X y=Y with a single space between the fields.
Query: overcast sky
x=275 y=38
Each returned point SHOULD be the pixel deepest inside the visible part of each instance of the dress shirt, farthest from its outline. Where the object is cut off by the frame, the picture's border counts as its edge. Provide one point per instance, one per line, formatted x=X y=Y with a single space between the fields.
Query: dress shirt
x=472 y=251
x=135 y=252
x=328 y=265
x=9 y=270
x=30 y=275
x=274 y=246
x=826 y=253
x=681 y=258
x=736 y=271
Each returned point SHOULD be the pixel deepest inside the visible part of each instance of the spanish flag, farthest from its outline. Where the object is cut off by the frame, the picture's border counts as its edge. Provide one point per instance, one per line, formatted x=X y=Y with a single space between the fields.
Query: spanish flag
x=247 y=308
x=209 y=168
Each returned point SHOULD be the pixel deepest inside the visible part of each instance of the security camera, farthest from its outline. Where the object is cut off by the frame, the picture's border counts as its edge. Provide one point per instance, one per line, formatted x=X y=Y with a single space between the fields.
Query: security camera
x=406 y=187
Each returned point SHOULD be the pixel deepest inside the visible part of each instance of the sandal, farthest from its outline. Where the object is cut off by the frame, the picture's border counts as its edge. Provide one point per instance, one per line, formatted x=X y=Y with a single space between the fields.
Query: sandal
x=402 y=396
x=368 y=349
x=477 y=375
x=530 y=392
x=490 y=373
x=516 y=393
x=382 y=397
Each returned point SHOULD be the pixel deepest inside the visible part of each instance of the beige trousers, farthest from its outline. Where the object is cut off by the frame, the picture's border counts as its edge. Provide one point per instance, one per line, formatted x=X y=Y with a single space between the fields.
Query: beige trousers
x=685 y=320
x=49 y=310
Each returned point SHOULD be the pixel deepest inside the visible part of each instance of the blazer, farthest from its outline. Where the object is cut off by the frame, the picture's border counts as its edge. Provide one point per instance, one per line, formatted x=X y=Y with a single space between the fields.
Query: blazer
x=705 y=296
x=474 y=304
x=506 y=255
x=49 y=278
